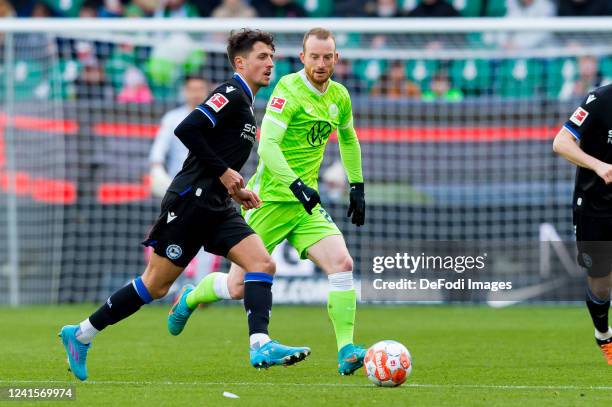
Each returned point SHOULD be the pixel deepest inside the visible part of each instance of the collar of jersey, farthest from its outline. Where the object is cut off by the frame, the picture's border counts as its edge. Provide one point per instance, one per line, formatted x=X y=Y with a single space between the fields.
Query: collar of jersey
x=244 y=84
x=311 y=86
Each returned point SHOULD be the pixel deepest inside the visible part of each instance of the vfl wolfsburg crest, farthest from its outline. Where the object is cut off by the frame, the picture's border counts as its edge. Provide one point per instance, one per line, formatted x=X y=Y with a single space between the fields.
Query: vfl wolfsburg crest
x=318 y=134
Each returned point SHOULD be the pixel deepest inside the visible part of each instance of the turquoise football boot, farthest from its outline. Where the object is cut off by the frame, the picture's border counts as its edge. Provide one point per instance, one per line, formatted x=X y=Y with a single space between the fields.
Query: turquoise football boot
x=350 y=358
x=76 y=351
x=180 y=312
x=273 y=353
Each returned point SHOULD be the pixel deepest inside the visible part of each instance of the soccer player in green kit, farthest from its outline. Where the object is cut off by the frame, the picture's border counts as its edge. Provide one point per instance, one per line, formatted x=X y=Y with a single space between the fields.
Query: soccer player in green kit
x=304 y=109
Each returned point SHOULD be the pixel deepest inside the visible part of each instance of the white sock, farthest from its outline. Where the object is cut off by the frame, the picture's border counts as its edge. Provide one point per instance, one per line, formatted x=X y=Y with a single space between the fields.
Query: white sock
x=258 y=340
x=86 y=332
x=603 y=336
x=220 y=287
x=342 y=281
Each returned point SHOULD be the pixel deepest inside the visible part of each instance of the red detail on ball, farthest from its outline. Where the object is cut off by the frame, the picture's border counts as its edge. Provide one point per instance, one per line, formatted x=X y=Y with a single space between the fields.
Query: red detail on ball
x=404 y=361
x=399 y=376
x=382 y=372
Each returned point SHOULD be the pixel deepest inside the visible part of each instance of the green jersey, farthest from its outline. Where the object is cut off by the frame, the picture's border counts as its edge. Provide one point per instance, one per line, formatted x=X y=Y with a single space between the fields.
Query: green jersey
x=298 y=122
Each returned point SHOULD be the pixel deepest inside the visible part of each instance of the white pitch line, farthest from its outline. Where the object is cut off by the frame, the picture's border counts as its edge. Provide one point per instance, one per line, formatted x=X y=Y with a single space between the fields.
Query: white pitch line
x=407 y=385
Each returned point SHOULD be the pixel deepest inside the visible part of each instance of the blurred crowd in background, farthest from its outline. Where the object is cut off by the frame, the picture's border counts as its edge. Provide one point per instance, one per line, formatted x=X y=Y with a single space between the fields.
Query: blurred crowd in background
x=137 y=72
x=304 y=8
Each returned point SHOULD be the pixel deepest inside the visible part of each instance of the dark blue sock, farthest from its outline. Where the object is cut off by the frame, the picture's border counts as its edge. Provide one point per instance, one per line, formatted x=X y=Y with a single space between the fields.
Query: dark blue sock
x=121 y=304
x=598 y=308
x=258 y=301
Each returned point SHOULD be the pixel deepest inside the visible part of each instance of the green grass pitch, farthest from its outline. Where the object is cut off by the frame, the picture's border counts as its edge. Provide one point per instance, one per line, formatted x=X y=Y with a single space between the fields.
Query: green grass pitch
x=462 y=356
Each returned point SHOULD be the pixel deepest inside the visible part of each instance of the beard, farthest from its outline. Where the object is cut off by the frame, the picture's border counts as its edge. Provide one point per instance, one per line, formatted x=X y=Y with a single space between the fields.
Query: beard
x=311 y=75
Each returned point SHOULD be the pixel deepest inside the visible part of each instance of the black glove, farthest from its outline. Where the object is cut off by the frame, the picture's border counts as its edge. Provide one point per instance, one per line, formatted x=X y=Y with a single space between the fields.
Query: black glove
x=357 y=204
x=306 y=195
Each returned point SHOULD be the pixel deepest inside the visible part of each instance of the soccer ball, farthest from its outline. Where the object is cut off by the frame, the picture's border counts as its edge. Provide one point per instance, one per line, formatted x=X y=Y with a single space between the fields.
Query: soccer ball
x=387 y=363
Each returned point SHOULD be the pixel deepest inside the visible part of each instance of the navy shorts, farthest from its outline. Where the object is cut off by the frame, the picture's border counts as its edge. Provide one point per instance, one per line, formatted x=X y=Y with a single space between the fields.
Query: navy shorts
x=184 y=226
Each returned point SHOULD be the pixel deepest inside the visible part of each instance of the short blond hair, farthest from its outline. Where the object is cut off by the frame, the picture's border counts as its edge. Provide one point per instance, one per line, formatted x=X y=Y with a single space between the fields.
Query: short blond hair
x=320 y=33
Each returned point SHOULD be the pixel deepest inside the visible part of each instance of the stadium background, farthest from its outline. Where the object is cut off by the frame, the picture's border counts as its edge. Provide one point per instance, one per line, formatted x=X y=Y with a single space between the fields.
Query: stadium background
x=457 y=147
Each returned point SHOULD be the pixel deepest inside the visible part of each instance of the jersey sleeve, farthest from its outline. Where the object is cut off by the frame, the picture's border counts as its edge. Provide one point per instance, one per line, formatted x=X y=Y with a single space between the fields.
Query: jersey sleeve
x=350 y=150
x=585 y=117
x=219 y=104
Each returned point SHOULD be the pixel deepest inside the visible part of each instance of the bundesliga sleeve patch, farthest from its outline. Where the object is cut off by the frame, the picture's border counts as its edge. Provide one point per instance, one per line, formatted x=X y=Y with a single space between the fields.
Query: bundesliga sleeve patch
x=579 y=116
x=277 y=104
x=217 y=102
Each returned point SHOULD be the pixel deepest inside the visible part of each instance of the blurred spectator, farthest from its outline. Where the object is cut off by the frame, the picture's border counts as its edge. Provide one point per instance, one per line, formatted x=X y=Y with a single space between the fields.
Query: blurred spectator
x=433 y=8
x=393 y=84
x=89 y=9
x=382 y=8
x=175 y=9
x=6 y=9
x=588 y=79
x=350 y=8
x=39 y=43
x=141 y=8
x=345 y=74
x=583 y=8
x=41 y=10
x=168 y=152
x=235 y=9
x=112 y=8
x=23 y=8
x=92 y=82
x=135 y=88
x=524 y=9
x=440 y=89
x=333 y=183
x=205 y=7
x=278 y=8
x=63 y=8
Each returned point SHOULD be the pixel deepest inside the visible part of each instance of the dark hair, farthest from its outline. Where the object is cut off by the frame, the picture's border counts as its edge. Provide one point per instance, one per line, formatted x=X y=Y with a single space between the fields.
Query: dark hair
x=241 y=42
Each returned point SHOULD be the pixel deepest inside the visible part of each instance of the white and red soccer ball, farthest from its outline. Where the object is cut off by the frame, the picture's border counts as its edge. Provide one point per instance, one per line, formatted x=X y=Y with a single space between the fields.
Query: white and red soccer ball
x=387 y=363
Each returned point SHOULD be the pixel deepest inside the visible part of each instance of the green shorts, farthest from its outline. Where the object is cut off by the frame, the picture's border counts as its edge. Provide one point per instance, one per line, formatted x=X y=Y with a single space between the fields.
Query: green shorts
x=277 y=221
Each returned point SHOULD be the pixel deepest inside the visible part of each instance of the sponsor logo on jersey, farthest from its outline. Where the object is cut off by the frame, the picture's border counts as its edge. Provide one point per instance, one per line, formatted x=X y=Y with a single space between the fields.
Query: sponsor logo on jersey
x=217 y=102
x=609 y=136
x=174 y=251
x=579 y=116
x=590 y=99
x=229 y=89
x=277 y=104
x=319 y=133
x=249 y=132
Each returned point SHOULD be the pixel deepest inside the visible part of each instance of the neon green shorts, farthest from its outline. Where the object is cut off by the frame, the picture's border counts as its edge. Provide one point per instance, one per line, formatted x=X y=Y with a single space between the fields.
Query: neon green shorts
x=277 y=221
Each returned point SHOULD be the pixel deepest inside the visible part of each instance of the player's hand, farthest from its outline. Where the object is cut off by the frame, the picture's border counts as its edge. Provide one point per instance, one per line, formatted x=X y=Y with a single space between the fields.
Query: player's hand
x=232 y=180
x=604 y=170
x=357 y=204
x=309 y=197
x=247 y=199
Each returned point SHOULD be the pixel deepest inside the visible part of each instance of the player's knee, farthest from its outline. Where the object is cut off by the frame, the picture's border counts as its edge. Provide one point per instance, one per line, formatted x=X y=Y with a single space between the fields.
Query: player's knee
x=267 y=265
x=344 y=263
x=236 y=291
x=601 y=291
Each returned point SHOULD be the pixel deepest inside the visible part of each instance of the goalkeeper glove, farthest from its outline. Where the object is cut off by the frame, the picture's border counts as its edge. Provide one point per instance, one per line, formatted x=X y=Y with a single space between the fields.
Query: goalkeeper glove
x=160 y=181
x=307 y=196
x=357 y=204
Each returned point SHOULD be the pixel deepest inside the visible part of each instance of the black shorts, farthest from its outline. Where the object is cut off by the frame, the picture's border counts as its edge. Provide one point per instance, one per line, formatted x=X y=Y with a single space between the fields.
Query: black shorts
x=594 y=241
x=184 y=226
